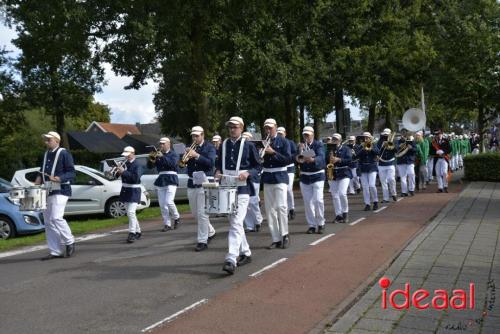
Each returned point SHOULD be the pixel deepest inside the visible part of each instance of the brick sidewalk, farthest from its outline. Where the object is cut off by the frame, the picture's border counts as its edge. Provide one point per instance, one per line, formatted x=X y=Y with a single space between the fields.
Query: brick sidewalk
x=461 y=245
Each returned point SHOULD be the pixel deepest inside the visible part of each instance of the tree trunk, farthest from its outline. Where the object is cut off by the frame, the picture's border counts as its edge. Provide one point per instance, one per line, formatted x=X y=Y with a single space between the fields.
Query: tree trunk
x=339 y=112
x=372 y=108
x=289 y=115
x=316 y=126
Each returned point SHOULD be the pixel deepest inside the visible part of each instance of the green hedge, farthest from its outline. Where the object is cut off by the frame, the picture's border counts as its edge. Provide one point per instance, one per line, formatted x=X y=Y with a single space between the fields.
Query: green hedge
x=482 y=167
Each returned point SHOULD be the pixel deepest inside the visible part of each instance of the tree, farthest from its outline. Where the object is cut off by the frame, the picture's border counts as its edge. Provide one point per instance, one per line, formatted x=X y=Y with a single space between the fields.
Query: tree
x=97 y=112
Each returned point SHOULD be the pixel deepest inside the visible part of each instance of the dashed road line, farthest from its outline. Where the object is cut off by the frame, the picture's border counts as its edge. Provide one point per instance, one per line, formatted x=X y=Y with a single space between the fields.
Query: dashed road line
x=272 y=265
x=382 y=208
x=400 y=199
x=314 y=243
x=357 y=221
x=175 y=315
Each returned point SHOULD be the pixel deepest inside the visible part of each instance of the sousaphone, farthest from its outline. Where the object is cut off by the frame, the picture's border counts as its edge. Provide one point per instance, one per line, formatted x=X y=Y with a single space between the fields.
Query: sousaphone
x=414 y=119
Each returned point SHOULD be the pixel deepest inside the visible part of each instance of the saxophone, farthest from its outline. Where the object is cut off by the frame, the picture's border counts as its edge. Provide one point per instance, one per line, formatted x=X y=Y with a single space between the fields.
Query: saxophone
x=330 y=169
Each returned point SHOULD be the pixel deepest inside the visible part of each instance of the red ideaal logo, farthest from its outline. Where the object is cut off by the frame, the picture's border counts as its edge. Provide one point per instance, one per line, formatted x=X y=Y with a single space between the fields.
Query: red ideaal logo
x=440 y=300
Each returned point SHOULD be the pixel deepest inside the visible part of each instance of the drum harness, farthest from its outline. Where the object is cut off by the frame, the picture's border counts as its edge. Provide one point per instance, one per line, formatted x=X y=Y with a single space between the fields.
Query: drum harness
x=50 y=184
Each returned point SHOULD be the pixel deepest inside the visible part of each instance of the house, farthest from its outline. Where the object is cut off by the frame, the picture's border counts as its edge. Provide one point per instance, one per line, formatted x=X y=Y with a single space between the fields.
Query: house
x=141 y=142
x=118 y=129
x=95 y=142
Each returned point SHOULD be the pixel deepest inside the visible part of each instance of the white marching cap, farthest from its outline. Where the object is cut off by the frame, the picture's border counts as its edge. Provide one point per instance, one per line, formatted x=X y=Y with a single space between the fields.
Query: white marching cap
x=281 y=130
x=308 y=130
x=235 y=120
x=386 y=131
x=367 y=134
x=197 y=130
x=271 y=122
x=351 y=138
x=337 y=136
x=164 y=140
x=419 y=133
x=216 y=138
x=127 y=151
x=247 y=135
x=52 y=134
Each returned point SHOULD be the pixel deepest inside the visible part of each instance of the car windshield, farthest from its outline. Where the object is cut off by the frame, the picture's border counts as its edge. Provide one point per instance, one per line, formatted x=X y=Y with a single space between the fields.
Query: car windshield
x=5 y=186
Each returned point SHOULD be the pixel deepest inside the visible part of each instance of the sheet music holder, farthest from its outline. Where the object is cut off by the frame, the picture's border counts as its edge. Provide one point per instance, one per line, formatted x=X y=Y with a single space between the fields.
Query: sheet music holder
x=112 y=163
x=259 y=144
x=179 y=148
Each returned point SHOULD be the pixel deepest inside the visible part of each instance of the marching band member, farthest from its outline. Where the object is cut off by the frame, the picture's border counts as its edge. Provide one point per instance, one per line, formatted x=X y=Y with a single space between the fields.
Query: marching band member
x=440 y=150
x=312 y=180
x=421 y=160
x=291 y=174
x=57 y=171
x=277 y=157
x=253 y=219
x=167 y=182
x=340 y=156
x=386 y=166
x=241 y=159
x=430 y=162
x=368 y=155
x=216 y=141
x=130 y=194
x=354 y=184
x=200 y=160
x=405 y=163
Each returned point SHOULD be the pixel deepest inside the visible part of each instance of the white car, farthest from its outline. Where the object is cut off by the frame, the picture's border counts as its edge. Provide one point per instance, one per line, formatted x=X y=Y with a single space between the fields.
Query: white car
x=149 y=175
x=92 y=192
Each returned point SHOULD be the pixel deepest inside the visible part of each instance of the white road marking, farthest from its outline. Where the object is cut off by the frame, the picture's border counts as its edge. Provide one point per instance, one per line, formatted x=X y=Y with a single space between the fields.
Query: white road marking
x=42 y=247
x=400 y=199
x=272 y=265
x=382 y=208
x=175 y=315
x=357 y=221
x=314 y=243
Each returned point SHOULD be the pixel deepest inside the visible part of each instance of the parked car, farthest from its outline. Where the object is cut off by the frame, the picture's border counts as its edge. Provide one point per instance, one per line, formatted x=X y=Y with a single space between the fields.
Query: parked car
x=92 y=192
x=149 y=176
x=13 y=221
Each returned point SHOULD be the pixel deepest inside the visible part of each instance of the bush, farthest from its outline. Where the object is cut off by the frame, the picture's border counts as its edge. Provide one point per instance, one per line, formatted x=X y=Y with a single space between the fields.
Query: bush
x=482 y=167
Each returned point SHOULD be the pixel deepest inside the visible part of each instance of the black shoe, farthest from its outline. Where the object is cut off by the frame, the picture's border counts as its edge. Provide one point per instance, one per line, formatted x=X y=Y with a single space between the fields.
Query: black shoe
x=257 y=227
x=51 y=257
x=358 y=190
x=70 y=250
x=285 y=242
x=394 y=198
x=345 y=218
x=138 y=235
x=439 y=191
x=131 y=238
x=446 y=189
x=427 y=182
x=210 y=238
x=339 y=219
x=412 y=193
x=321 y=229
x=176 y=223
x=291 y=214
x=249 y=230
x=166 y=228
x=243 y=259
x=385 y=201
x=229 y=267
x=375 y=206
x=404 y=195
x=311 y=230
x=200 y=247
x=274 y=245
x=367 y=207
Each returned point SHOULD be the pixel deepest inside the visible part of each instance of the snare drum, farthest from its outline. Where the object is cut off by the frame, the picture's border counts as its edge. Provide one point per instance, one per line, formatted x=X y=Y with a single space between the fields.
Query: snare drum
x=35 y=199
x=16 y=193
x=220 y=200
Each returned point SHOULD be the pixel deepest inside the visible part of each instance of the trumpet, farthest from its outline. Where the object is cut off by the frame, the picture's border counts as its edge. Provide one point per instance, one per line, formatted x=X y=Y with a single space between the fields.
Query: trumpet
x=113 y=173
x=403 y=148
x=153 y=155
x=185 y=158
x=388 y=144
x=330 y=168
x=367 y=144
x=267 y=142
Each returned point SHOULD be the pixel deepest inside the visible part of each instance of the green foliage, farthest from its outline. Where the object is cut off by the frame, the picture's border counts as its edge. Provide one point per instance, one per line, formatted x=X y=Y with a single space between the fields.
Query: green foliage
x=482 y=167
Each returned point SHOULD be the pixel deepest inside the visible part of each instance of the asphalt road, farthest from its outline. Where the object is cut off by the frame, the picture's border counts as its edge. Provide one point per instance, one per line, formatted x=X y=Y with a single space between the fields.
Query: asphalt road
x=113 y=287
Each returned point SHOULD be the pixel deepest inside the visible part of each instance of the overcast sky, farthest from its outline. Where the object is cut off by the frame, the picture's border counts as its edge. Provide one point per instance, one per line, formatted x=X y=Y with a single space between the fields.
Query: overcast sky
x=127 y=106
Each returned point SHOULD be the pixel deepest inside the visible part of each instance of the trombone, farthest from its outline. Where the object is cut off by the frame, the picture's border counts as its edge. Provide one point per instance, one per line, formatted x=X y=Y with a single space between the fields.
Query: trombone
x=267 y=142
x=155 y=154
x=113 y=172
x=185 y=158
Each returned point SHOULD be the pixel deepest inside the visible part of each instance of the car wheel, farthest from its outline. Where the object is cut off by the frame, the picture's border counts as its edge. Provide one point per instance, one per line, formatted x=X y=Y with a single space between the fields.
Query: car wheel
x=115 y=208
x=7 y=229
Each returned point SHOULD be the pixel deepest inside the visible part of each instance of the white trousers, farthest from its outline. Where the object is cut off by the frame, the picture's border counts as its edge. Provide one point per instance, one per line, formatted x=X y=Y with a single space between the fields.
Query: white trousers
x=430 y=167
x=166 y=197
x=354 y=182
x=196 y=197
x=133 y=223
x=453 y=162
x=369 y=187
x=290 y=199
x=254 y=216
x=422 y=176
x=237 y=240
x=338 y=189
x=407 y=175
x=57 y=231
x=387 y=176
x=442 y=173
x=460 y=161
x=276 y=209
x=314 y=204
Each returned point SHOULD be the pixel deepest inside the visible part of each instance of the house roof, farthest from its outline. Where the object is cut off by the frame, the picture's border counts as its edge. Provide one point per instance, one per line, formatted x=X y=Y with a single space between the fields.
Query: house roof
x=97 y=142
x=139 y=142
x=119 y=129
x=152 y=129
